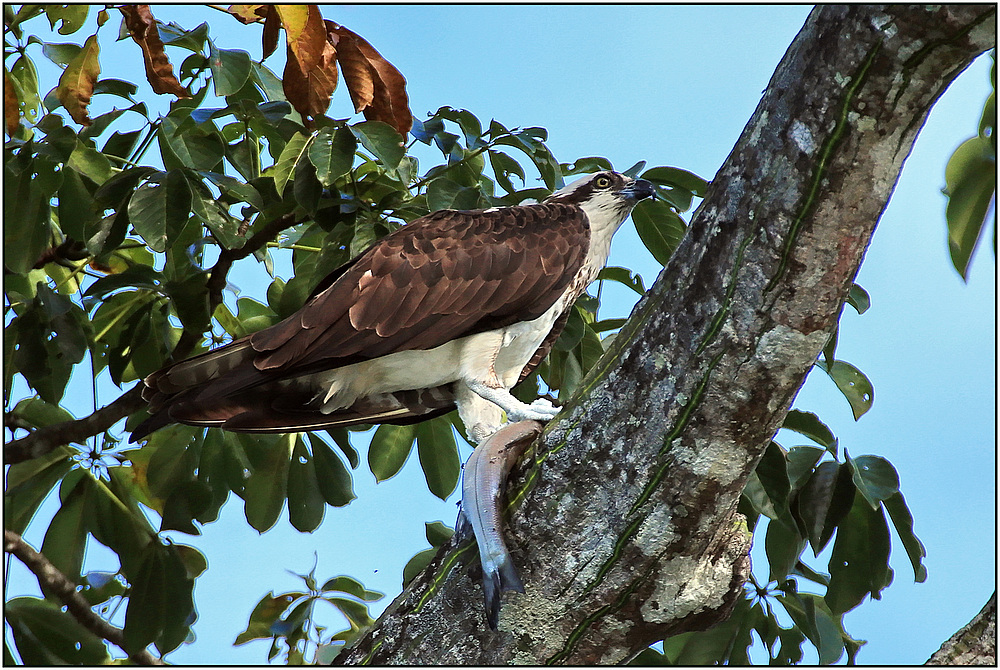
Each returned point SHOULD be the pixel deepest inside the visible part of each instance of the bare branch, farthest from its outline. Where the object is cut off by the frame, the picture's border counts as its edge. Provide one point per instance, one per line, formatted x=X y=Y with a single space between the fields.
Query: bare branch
x=47 y=438
x=54 y=580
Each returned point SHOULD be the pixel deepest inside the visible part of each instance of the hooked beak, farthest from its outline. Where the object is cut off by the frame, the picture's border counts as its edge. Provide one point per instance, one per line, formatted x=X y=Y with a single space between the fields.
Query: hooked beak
x=639 y=190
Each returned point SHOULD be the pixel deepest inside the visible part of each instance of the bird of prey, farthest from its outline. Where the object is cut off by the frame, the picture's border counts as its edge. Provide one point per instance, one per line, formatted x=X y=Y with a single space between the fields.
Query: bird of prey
x=453 y=309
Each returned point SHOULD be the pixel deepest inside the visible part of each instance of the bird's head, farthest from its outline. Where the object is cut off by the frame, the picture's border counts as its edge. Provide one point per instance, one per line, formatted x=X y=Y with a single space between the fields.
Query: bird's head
x=607 y=197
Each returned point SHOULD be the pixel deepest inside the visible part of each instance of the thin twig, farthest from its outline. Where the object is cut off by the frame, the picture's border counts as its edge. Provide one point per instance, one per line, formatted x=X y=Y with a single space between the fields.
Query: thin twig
x=217 y=279
x=53 y=580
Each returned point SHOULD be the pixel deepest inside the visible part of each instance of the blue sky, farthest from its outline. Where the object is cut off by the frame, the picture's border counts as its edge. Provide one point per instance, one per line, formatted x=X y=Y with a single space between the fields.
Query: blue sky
x=671 y=85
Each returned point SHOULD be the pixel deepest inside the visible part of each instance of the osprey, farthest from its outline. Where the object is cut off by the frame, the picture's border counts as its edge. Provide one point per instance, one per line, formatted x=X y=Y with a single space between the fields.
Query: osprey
x=453 y=309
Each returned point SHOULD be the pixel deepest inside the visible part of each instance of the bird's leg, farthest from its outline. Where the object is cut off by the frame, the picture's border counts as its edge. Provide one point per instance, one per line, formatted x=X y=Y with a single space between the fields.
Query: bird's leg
x=539 y=410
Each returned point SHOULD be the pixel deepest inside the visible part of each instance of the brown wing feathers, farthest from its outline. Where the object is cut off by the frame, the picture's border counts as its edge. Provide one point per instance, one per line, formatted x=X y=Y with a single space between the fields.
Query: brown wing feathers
x=447 y=275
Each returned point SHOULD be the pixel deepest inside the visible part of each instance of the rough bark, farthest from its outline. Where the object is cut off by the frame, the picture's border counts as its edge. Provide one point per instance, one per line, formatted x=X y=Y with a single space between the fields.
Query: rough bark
x=975 y=643
x=624 y=527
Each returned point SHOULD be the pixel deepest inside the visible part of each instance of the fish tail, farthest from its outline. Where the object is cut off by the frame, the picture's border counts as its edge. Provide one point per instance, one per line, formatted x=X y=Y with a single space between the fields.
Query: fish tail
x=503 y=577
x=509 y=579
x=491 y=597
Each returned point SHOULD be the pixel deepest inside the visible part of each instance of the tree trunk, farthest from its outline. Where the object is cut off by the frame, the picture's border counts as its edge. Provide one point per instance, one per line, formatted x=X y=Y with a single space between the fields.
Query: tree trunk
x=975 y=644
x=625 y=527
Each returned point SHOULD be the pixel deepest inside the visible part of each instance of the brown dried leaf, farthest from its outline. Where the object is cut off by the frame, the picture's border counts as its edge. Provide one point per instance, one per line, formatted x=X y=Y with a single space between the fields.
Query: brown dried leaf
x=310 y=92
x=247 y=14
x=11 y=111
x=310 y=75
x=159 y=72
x=272 y=26
x=305 y=33
x=76 y=85
x=377 y=88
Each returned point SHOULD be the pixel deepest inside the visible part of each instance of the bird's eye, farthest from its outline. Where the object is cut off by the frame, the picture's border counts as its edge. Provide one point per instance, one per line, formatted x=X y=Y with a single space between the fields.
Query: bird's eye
x=602 y=182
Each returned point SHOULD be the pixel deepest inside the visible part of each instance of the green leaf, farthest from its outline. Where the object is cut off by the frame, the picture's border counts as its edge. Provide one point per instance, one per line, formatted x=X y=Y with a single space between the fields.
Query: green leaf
x=504 y=166
x=353 y=587
x=635 y=169
x=99 y=587
x=66 y=538
x=45 y=635
x=801 y=461
x=184 y=504
x=25 y=79
x=305 y=501
x=970 y=177
x=853 y=384
x=158 y=207
x=808 y=424
x=811 y=615
x=186 y=145
x=230 y=69
x=70 y=17
x=76 y=205
x=671 y=176
x=306 y=188
x=438 y=456
x=26 y=214
x=437 y=533
x=389 y=449
x=467 y=121
x=859 y=564
x=284 y=168
x=29 y=483
x=266 y=489
x=659 y=228
x=755 y=494
x=623 y=276
x=416 y=564
x=147 y=603
x=823 y=502
x=382 y=140
x=38 y=413
x=173 y=35
x=236 y=189
x=174 y=458
x=587 y=165
x=265 y=613
x=773 y=476
x=356 y=613
x=572 y=332
x=875 y=478
x=334 y=479
x=332 y=152
x=902 y=520
x=859 y=299
x=340 y=436
x=783 y=547
x=443 y=193
x=216 y=217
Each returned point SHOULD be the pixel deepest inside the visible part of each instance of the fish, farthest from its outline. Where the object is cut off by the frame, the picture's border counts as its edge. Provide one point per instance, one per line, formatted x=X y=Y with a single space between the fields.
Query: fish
x=483 y=478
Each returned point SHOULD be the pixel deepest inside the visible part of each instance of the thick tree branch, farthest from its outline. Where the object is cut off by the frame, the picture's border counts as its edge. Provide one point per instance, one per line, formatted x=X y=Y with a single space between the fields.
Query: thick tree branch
x=47 y=438
x=975 y=644
x=53 y=580
x=626 y=529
